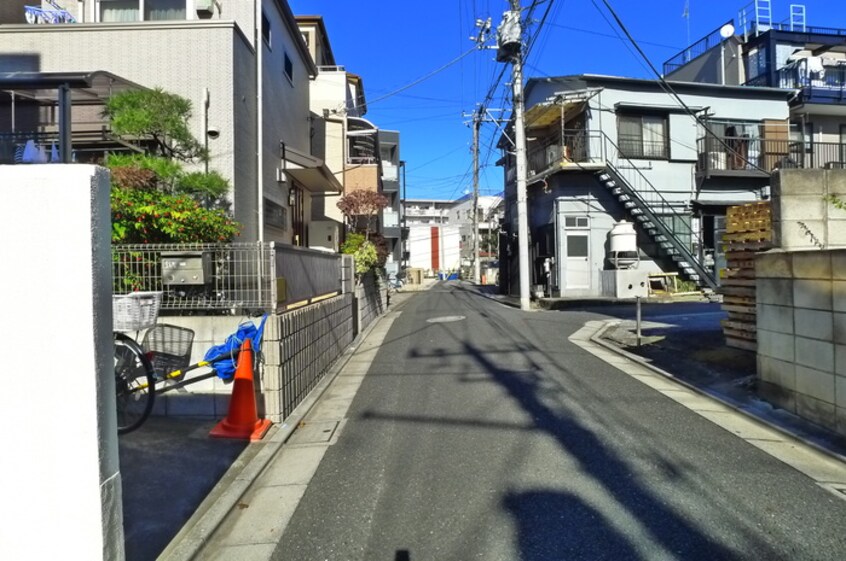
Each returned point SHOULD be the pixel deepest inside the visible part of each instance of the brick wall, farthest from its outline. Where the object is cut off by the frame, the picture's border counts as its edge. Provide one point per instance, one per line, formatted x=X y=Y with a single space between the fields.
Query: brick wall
x=801 y=324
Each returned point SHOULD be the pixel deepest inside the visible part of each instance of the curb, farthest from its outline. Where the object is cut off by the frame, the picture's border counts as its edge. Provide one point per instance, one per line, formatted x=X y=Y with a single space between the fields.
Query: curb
x=212 y=511
x=597 y=339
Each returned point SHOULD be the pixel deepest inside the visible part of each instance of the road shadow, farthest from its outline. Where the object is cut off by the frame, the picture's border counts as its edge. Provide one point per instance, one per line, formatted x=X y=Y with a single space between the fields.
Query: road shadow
x=555 y=525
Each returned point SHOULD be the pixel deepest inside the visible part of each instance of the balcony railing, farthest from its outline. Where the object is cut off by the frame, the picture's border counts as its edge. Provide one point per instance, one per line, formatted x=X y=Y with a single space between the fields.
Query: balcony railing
x=390 y=219
x=761 y=155
x=828 y=86
x=571 y=146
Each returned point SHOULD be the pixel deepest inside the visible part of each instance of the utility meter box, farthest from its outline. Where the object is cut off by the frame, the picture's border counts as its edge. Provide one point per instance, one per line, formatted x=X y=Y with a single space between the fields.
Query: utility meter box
x=186 y=268
x=625 y=283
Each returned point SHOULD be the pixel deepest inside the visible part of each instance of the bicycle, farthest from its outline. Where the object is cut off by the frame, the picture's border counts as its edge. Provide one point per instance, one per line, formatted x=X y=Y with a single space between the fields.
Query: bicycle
x=163 y=356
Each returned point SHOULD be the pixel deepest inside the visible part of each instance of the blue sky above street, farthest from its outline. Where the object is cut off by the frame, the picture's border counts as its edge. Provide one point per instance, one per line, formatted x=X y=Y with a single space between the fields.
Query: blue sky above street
x=394 y=44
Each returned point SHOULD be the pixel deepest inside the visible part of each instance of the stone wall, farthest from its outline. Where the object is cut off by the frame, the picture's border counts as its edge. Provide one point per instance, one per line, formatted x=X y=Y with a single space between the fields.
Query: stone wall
x=801 y=305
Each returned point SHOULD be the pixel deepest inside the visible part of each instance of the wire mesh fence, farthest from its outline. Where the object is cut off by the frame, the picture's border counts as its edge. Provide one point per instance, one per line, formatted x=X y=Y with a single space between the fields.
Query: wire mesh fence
x=233 y=278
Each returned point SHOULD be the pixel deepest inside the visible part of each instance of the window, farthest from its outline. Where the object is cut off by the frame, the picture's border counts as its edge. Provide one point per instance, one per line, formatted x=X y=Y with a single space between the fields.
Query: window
x=289 y=68
x=643 y=136
x=275 y=215
x=577 y=246
x=113 y=11
x=576 y=222
x=265 y=29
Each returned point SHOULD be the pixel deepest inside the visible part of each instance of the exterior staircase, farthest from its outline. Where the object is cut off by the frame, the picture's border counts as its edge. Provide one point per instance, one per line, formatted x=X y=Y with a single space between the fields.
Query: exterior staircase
x=649 y=210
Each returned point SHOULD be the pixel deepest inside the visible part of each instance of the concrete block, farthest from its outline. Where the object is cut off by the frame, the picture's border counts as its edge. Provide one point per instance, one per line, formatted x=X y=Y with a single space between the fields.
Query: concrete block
x=836 y=233
x=840 y=414
x=812 y=294
x=838 y=264
x=838 y=296
x=816 y=411
x=817 y=384
x=840 y=391
x=803 y=208
x=775 y=318
x=814 y=324
x=790 y=235
x=778 y=372
x=835 y=182
x=814 y=354
x=774 y=264
x=839 y=323
x=776 y=345
x=794 y=182
x=774 y=291
x=840 y=359
x=812 y=265
x=778 y=396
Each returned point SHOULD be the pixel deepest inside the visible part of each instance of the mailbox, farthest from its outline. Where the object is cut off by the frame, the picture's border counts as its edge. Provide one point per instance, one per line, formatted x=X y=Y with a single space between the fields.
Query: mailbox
x=186 y=268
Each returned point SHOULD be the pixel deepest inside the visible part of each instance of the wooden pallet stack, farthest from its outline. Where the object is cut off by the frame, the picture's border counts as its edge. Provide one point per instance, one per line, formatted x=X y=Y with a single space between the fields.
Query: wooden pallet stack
x=748 y=231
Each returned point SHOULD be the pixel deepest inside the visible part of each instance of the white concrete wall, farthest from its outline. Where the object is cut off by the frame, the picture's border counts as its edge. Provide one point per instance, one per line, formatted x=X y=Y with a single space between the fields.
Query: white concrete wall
x=60 y=476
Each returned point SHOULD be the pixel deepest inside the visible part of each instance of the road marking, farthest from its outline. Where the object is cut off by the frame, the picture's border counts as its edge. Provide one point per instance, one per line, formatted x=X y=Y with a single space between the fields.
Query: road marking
x=445 y=319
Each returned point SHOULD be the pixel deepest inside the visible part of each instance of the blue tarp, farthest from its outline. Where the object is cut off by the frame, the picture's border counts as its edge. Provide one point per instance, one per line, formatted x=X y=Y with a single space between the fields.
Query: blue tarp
x=225 y=368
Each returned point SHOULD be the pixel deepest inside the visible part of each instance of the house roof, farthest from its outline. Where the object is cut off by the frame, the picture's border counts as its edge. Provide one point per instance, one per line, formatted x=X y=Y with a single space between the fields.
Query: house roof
x=317 y=21
x=584 y=81
x=92 y=87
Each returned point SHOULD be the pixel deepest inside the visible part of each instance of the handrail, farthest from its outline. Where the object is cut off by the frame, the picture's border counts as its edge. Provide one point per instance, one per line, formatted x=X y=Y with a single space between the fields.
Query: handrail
x=647 y=191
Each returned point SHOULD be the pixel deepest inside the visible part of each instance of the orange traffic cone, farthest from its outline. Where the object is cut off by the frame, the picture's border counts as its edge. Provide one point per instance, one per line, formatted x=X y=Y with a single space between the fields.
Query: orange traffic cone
x=242 y=420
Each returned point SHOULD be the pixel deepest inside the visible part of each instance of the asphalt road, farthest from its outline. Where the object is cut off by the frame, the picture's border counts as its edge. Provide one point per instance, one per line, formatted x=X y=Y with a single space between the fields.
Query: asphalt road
x=492 y=437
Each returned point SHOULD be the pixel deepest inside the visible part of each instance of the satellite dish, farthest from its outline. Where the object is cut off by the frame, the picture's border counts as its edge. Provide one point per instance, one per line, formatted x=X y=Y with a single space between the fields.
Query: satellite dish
x=727 y=31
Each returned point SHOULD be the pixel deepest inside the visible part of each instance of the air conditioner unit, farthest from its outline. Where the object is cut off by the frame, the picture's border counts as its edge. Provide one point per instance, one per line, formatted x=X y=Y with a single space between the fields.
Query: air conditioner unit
x=204 y=7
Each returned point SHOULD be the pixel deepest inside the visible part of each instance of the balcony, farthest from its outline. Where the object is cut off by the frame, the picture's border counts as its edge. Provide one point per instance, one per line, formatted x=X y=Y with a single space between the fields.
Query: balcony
x=827 y=86
x=390 y=224
x=571 y=149
x=758 y=157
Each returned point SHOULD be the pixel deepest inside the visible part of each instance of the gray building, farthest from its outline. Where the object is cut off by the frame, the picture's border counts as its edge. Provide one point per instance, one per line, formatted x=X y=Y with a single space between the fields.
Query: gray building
x=603 y=150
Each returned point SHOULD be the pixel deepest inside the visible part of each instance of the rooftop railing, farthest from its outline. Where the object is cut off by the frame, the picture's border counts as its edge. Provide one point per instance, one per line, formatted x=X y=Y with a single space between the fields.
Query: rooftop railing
x=697 y=49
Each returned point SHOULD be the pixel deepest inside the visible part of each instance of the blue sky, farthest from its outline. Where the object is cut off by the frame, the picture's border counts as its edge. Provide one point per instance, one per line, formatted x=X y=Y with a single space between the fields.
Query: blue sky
x=392 y=44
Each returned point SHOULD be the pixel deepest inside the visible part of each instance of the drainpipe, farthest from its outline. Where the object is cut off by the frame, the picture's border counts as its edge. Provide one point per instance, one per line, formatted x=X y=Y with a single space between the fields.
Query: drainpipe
x=259 y=43
x=205 y=131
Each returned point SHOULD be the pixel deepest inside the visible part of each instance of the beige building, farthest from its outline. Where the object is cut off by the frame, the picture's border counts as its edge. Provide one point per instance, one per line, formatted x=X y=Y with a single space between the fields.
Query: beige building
x=251 y=101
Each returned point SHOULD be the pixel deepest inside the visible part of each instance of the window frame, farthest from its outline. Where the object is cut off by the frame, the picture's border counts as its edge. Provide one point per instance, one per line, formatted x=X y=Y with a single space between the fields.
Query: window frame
x=141 y=9
x=644 y=152
x=266 y=30
x=288 y=67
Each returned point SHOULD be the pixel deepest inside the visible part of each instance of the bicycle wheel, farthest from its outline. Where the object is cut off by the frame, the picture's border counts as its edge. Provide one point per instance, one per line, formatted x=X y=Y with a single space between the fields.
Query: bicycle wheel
x=135 y=391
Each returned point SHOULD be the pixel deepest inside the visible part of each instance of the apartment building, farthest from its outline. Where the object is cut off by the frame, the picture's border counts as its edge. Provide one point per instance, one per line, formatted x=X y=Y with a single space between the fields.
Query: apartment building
x=775 y=46
x=488 y=214
x=604 y=150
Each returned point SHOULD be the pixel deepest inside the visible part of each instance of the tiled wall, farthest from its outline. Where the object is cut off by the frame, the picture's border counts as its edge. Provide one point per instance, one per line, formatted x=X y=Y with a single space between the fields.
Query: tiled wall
x=801 y=305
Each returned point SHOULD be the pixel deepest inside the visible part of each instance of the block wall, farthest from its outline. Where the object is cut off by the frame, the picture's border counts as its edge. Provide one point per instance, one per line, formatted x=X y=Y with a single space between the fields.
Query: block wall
x=801 y=325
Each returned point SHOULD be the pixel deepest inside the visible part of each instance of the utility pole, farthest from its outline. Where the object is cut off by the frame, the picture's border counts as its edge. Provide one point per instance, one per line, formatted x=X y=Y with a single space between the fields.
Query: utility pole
x=477 y=122
x=510 y=48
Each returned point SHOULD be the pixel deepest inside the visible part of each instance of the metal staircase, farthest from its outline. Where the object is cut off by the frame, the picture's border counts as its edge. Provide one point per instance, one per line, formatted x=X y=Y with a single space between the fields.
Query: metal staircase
x=654 y=215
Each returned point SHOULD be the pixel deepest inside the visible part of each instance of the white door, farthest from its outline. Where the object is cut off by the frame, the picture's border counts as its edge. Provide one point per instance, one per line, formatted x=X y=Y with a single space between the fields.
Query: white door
x=573 y=253
x=577 y=265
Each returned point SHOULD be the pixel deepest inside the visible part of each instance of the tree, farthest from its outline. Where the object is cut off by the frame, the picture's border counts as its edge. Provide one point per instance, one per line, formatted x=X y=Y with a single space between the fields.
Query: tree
x=157 y=117
x=361 y=207
x=154 y=200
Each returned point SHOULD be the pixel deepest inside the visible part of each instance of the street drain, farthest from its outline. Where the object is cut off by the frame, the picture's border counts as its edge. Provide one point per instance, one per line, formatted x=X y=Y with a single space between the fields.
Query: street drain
x=445 y=319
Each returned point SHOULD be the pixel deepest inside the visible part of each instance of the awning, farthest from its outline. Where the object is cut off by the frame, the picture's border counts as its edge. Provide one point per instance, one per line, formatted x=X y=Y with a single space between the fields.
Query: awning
x=85 y=87
x=311 y=172
x=550 y=111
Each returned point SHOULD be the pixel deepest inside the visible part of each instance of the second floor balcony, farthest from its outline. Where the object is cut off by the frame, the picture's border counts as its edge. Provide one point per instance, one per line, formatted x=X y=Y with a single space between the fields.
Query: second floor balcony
x=758 y=157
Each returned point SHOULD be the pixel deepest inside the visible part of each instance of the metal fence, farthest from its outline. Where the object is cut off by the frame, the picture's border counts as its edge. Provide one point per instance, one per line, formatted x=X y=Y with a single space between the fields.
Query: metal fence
x=231 y=278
